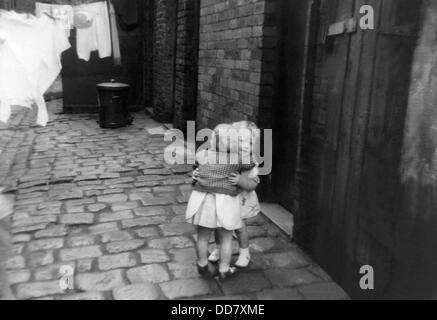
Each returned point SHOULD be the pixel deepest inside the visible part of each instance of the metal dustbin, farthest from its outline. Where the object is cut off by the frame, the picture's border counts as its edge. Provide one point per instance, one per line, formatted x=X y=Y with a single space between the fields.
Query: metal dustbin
x=114 y=111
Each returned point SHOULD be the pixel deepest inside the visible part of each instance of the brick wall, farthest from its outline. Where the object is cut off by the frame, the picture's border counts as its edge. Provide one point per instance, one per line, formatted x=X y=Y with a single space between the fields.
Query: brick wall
x=164 y=50
x=236 y=37
x=186 y=62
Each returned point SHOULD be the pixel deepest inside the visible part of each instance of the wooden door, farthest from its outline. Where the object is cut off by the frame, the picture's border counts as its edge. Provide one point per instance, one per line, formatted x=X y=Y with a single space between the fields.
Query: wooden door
x=377 y=196
x=364 y=84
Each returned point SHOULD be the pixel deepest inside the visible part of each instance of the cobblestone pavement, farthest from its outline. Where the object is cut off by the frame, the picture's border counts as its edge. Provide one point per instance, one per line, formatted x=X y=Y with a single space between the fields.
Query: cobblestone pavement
x=104 y=202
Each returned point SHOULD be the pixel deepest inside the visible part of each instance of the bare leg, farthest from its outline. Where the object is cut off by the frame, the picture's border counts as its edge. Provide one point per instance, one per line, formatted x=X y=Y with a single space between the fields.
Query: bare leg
x=215 y=254
x=225 y=250
x=203 y=235
x=243 y=237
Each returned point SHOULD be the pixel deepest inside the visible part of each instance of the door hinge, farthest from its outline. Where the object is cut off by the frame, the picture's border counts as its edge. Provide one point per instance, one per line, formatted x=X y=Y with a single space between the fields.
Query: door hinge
x=342 y=27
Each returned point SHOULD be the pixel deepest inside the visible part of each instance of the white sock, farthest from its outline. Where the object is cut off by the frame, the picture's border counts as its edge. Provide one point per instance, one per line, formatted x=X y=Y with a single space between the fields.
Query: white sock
x=224 y=269
x=202 y=265
x=245 y=252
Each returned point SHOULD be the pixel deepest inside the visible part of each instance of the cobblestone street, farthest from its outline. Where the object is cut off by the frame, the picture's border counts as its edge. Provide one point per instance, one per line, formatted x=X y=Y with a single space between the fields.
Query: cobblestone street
x=104 y=202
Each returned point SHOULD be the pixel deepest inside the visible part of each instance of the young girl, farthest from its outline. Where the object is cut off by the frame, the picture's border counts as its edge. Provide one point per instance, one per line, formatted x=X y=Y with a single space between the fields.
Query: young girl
x=248 y=181
x=214 y=203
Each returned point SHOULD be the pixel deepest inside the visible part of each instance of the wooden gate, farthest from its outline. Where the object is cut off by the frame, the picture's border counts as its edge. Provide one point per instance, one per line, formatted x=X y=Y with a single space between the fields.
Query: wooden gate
x=364 y=93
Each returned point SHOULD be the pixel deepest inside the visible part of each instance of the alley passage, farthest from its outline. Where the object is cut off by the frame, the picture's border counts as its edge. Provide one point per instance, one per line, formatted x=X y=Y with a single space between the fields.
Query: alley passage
x=105 y=203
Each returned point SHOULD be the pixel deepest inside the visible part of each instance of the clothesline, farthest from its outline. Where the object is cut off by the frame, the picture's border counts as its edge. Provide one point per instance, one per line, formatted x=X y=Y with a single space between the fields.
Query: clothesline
x=50 y=16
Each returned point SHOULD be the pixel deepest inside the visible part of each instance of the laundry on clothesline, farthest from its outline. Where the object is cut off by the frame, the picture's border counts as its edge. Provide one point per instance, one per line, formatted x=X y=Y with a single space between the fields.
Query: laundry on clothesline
x=63 y=13
x=96 y=26
x=30 y=61
x=98 y=36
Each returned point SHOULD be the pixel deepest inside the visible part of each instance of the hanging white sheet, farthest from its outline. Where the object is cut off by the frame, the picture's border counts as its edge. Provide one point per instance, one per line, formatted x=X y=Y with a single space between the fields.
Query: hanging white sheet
x=63 y=13
x=30 y=61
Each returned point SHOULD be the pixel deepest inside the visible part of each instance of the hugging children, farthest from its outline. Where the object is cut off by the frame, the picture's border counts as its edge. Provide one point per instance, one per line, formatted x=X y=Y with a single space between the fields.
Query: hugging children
x=224 y=196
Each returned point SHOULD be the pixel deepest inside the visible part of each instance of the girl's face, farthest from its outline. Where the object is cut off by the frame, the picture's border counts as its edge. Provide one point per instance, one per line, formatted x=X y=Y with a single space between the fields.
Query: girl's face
x=225 y=139
x=245 y=141
x=248 y=135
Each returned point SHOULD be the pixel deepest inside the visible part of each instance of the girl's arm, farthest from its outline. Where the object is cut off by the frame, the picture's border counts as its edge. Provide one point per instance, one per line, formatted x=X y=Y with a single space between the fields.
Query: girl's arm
x=245 y=181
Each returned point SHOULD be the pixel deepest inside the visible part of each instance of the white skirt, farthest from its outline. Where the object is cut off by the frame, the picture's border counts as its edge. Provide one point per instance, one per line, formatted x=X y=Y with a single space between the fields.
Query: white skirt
x=214 y=211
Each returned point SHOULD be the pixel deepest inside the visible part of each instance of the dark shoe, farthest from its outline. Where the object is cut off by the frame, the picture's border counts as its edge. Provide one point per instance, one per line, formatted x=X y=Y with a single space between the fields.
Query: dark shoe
x=231 y=273
x=206 y=272
x=203 y=270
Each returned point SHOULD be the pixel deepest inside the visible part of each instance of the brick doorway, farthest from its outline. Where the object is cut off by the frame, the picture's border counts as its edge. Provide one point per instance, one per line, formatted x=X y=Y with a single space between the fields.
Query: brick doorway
x=293 y=103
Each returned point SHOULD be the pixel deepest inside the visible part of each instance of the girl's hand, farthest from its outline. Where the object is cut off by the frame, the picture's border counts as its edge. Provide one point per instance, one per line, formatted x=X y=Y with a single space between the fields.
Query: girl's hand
x=196 y=175
x=234 y=179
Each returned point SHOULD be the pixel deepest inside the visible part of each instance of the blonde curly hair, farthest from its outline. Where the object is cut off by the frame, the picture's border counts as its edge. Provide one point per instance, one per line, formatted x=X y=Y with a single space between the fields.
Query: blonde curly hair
x=225 y=138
